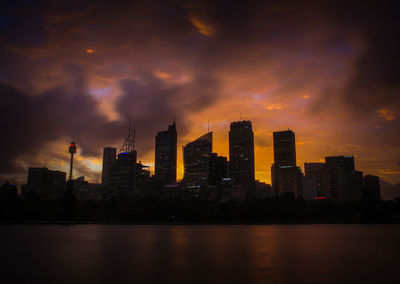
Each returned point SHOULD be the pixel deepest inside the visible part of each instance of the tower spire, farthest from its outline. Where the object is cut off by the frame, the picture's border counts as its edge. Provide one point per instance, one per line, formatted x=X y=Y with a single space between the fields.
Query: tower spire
x=72 y=151
x=129 y=143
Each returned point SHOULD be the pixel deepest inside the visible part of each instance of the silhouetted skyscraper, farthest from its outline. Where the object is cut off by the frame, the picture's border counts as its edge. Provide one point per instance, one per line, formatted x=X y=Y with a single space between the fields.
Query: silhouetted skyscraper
x=341 y=183
x=142 y=176
x=318 y=173
x=286 y=176
x=165 y=155
x=346 y=162
x=241 y=152
x=218 y=169
x=284 y=148
x=123 y=171
x=196 y=162
x=109 y=155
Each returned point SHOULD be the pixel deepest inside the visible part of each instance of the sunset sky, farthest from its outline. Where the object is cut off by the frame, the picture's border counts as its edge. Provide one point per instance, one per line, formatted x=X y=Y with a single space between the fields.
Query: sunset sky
x=328 y=70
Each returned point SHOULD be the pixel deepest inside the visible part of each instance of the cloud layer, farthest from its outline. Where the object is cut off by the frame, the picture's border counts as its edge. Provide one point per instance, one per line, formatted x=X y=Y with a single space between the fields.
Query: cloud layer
x=85 y=68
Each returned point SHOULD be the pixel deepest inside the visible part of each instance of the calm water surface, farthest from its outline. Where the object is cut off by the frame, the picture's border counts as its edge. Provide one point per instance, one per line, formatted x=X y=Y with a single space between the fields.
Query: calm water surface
x=200 y=254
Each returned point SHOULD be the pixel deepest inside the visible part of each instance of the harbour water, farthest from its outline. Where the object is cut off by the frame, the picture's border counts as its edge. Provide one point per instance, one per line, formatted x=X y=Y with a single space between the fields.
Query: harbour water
x=200 y=253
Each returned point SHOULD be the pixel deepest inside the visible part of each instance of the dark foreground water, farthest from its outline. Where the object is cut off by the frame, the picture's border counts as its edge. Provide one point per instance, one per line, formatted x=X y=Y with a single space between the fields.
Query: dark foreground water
x=200 y=254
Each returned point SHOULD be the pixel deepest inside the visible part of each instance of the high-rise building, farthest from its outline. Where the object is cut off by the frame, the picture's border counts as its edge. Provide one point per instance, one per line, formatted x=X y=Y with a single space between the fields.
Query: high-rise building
x=109 y=155
x=309 y=188
x=165 y=155
x=287 y=180
x=123 y=170
x=218 y=169
x=372 y=188
x=346 y=162
x=196 y=162
x=241 y=153
x=316 y=172
x=142 y=176
x=340 y=182
x=284 y=148
x=46 y=182
x=285 y=175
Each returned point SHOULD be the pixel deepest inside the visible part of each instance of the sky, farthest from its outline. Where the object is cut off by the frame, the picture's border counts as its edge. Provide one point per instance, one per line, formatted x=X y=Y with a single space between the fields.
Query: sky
x=328 y=70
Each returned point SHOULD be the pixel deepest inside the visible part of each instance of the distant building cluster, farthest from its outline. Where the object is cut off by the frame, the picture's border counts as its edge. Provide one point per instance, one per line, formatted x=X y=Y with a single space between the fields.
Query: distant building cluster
x=210 y=176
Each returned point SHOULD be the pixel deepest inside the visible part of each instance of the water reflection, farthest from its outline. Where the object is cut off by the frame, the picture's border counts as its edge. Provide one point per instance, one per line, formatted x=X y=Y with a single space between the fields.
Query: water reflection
x=199 y=254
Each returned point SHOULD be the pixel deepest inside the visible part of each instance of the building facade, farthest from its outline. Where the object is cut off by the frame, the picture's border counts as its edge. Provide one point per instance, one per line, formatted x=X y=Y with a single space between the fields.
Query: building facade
x=45 y=182
x=166 y=155
x=196 y=161
x=218 y=169
x=109 y=155
x=123 y=172
x=241 y=153
x=318 y=173
x=285 y=175
x=343 y=182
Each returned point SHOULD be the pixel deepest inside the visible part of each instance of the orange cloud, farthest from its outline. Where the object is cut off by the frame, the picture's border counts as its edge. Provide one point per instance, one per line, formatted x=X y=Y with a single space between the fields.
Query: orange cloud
x=203 y=27
x=162 y=75
x=386 y=114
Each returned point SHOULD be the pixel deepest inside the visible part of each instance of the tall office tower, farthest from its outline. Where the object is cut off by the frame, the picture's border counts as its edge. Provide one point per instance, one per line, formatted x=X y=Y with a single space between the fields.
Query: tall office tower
x=218 y=169
x=165 y=155
x=286 y=176
x=196 y=162
x=317 y=172
x=284 y=148
x=142 y=176
x=346 y=162
x=109 y=155
x=241 y=153
x=123 y=171
x=340 y=182
x=372 y=188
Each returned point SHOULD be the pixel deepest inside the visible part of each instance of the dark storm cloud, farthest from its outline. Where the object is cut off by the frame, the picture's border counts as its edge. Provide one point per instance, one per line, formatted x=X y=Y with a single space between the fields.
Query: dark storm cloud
x=151 y=104
x=375 y=82
x=30 y=121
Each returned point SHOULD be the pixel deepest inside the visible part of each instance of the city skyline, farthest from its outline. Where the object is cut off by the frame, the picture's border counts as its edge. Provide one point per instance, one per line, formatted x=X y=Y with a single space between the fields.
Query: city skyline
x=180 y=162
x=208 y=174
x=199 y=141
x=76 y=73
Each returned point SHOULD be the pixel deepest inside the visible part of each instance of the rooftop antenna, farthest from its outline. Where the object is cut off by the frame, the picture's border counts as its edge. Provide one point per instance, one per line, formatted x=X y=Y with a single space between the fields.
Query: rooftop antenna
x=208 y=125
x=127 y=161
x=129 y=143
x=240 y=115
